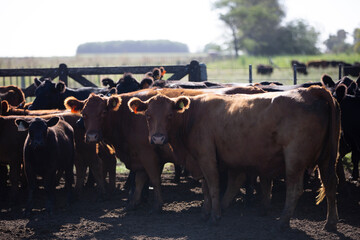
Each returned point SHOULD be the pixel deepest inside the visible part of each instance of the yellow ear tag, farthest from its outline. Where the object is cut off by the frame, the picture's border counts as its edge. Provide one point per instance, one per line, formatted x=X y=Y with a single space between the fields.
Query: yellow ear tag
x=181 y=105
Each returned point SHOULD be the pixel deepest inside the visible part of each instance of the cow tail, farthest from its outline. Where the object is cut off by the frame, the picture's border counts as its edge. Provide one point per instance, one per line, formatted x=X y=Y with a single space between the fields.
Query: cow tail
x=331 y=146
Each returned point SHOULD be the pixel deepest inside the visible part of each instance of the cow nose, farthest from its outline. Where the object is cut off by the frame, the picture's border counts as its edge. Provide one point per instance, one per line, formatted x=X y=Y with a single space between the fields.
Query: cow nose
x=158 y=139
x=92 y=137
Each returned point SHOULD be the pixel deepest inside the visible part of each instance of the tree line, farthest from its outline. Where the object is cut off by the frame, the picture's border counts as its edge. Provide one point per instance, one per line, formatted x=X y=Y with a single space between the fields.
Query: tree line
x=146 y=46
x=256 y=29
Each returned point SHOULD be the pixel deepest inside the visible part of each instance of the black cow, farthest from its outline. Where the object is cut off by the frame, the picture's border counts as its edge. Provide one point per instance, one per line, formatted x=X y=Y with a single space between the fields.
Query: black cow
x=300 y=67
x=50 y=95
x=350 y=118
x=264 y=69
x=127 y=83
x=352 y=70
x=49 y=147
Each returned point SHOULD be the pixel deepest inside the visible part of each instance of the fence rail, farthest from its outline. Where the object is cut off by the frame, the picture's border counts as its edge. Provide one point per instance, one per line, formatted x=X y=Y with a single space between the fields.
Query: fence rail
x=196 y=72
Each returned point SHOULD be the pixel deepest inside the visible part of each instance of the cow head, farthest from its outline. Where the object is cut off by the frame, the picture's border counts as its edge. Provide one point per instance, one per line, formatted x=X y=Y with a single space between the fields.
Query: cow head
x=94 y=110
x=127 y=84
x=48 y=95
x=37 y=129
x=159 y=112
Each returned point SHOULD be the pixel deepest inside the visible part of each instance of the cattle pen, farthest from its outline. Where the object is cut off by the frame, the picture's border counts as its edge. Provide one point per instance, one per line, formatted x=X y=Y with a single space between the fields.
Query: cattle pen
x=96 y=216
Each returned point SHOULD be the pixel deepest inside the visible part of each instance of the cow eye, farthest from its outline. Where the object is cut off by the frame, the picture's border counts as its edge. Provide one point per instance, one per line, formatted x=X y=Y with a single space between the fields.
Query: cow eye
x=170 y=116
x=84 y=116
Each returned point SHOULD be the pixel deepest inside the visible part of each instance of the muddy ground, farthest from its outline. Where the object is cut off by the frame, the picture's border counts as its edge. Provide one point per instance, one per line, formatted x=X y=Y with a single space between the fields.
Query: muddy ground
x=90 y=218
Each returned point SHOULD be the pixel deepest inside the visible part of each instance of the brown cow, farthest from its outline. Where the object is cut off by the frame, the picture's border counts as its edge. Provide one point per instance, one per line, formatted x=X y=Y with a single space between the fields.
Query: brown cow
x=105 y=118
x=13 y=95
x=270 y=133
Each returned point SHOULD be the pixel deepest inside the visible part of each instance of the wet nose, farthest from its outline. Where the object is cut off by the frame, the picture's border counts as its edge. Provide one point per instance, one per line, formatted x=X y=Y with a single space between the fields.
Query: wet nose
x=92 y=137
x=158 y=139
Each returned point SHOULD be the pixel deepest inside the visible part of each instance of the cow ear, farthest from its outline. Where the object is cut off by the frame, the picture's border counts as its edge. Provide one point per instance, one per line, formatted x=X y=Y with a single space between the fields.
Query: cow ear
x=352 y=88
x=340 y=92
x=137 y=106
x=114 y=103
x=37 y=82
x=22 y=125
x=52 y=121
x=181 y=104
x=327 y=81
x=74 y=104
x=60 y=86
x=4 y=107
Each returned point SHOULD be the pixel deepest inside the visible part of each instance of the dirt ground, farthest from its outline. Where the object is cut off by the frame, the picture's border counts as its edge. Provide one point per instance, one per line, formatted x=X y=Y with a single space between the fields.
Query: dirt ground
x=90 y=218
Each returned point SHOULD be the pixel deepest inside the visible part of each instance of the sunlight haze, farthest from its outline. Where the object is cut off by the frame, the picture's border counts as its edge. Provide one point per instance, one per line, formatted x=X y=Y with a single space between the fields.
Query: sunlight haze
x=57 y=28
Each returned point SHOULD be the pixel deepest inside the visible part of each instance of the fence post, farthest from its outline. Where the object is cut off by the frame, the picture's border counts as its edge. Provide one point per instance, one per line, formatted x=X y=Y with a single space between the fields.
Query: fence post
x=295 y=77
x=340 y=73
x=250 y=74
x=23 y=85
x=63 y=73
x=194 y=71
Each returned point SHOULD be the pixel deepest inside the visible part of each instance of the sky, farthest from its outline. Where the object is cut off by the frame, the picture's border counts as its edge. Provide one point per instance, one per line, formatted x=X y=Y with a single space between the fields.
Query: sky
x=45 y=28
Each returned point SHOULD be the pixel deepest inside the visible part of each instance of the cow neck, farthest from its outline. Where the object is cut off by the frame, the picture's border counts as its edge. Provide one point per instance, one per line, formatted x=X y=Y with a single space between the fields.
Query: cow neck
x=183 y=122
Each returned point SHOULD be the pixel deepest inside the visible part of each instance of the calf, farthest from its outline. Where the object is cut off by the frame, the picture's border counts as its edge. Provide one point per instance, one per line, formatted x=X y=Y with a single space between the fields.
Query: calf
x=268 y=133
x=49 y=147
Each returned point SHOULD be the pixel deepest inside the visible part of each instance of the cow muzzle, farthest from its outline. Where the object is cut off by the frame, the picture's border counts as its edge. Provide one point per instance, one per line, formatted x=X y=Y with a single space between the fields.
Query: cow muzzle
x=93 y=137
x=158 y=139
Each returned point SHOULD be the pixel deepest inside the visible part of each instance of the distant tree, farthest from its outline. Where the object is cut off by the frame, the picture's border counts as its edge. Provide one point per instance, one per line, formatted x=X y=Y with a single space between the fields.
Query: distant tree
x=296 y=37
x=252 y=23
x=357 y=40
x=212 y=47
x=336 y=43
x=148 y=46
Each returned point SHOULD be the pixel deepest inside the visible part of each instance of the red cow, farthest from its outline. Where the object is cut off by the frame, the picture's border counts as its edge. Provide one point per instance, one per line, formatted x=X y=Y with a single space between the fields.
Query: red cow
x=270 y=133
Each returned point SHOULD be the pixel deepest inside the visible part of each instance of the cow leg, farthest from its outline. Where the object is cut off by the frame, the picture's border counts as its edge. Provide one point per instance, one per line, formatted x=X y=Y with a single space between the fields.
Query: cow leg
x=207 y=163
x=329 y=181
x=206 y=209
x=235 y=180
x=49 y=185
x=140 y=178
x=355 y=160
x=178 y=170
x=294 y=188
x=14 y=176
x=69 y=178
x=266 y=186
x=96 y=169
x=154 y=173
x=31 y=178
x=111 y=169
x=80 y=175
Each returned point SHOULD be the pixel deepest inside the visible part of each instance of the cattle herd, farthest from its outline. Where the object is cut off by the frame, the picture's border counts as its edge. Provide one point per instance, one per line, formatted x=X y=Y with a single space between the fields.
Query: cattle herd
x=349 y=69
x=212 y=130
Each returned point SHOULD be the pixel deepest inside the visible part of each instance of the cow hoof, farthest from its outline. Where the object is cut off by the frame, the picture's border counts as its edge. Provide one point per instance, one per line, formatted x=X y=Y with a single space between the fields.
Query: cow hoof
x=330 y=227
x=27 y=213
x=281 y=226
x=214 y=221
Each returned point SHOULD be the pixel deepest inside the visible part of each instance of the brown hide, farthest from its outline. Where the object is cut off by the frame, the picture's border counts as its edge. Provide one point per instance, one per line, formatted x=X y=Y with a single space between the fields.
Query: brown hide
x=12 y=94
x=269 y=133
